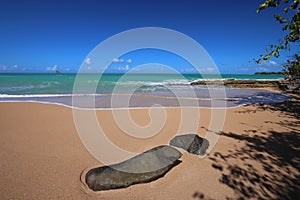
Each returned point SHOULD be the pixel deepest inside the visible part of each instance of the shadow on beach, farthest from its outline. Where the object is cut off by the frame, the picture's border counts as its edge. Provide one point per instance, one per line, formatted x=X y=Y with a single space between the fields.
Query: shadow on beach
x=268 y=165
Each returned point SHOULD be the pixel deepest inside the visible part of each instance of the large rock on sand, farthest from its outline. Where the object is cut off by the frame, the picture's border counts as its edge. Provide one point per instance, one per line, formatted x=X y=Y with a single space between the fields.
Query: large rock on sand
x=143 y=168
x=192 y=143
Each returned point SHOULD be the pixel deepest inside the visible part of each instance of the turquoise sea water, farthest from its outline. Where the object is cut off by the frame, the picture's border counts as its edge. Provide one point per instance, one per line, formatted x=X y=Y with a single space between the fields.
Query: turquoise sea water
x=33 y=84
x=131 y=90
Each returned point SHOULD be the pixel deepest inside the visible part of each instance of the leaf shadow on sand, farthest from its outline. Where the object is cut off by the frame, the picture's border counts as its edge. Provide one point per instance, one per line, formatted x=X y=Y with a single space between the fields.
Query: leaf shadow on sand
x=268 y=165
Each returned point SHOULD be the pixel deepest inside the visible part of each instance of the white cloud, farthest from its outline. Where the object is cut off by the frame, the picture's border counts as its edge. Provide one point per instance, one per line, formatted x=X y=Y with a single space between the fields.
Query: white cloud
x=8 y=68
x=273 y=63
x=207 y=70
x=244 y=69
x=88 y=61
x=262 y=69
x=14 y=67
x=268 y=66
x=189 y=70
x=53 y=68
x=210 y=69
x=3 y=67
x=116 y=60
x=270 y=63
x=123 y=68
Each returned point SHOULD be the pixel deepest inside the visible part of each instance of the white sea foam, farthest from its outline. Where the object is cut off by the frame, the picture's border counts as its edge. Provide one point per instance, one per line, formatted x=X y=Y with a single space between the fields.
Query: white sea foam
x=3 y=96
x=44 y=84
x=241 y=79
x=32 y=95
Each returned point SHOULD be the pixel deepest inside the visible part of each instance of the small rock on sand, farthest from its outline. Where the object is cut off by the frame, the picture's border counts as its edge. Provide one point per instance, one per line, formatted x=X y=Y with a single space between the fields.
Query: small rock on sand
x=192 y=143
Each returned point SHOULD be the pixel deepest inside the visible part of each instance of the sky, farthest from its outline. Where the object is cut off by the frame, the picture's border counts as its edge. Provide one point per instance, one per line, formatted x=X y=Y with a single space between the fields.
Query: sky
x=48 y=35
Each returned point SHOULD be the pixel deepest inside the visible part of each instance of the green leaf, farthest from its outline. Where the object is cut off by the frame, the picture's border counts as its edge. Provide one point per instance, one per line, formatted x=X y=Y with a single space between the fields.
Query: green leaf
x=291 y=26
x=261 y=7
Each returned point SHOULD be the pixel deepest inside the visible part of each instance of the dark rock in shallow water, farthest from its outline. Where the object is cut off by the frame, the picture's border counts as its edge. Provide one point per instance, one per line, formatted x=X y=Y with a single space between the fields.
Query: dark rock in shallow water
x=143 y=168
x=192 y=143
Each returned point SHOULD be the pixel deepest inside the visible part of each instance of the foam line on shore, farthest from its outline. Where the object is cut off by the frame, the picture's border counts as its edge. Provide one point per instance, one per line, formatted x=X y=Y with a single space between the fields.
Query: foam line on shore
x=3 y=96
x=121 y=108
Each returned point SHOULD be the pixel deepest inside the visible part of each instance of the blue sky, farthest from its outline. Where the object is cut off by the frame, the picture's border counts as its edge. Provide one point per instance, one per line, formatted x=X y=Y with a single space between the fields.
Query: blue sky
x=44 y=35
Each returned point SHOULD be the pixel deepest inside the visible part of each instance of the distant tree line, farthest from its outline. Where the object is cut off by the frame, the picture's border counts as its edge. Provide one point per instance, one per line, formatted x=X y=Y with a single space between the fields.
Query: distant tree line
x=269 y=73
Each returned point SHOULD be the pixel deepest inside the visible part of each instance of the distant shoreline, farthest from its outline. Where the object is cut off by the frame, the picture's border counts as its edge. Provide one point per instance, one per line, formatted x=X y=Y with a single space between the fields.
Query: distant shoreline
x=237 y=83
x=268 y=73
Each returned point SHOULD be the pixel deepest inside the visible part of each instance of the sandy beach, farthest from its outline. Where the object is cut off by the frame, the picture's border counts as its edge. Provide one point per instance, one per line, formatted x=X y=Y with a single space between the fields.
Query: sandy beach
x=150 y=100
x=257 y=155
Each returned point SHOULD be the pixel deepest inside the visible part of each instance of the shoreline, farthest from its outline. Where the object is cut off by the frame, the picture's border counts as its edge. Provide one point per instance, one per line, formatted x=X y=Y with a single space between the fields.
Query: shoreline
x=125 y=108
x=222 y=98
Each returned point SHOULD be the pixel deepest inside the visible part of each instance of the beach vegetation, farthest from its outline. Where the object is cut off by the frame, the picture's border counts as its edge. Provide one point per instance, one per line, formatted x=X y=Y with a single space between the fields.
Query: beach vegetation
x=292 y=68
x=290 y=20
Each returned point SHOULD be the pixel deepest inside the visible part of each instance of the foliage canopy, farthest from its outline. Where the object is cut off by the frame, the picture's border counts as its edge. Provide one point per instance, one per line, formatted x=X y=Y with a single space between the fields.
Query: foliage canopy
x=291 y=25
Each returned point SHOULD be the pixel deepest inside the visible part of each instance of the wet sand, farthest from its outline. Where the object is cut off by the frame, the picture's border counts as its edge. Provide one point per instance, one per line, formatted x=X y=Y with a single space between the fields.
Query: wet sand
x=257 y=154
x=216 y=97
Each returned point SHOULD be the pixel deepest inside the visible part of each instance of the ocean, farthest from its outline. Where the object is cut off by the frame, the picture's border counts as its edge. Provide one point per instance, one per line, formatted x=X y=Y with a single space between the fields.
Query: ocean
x=142 y=90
